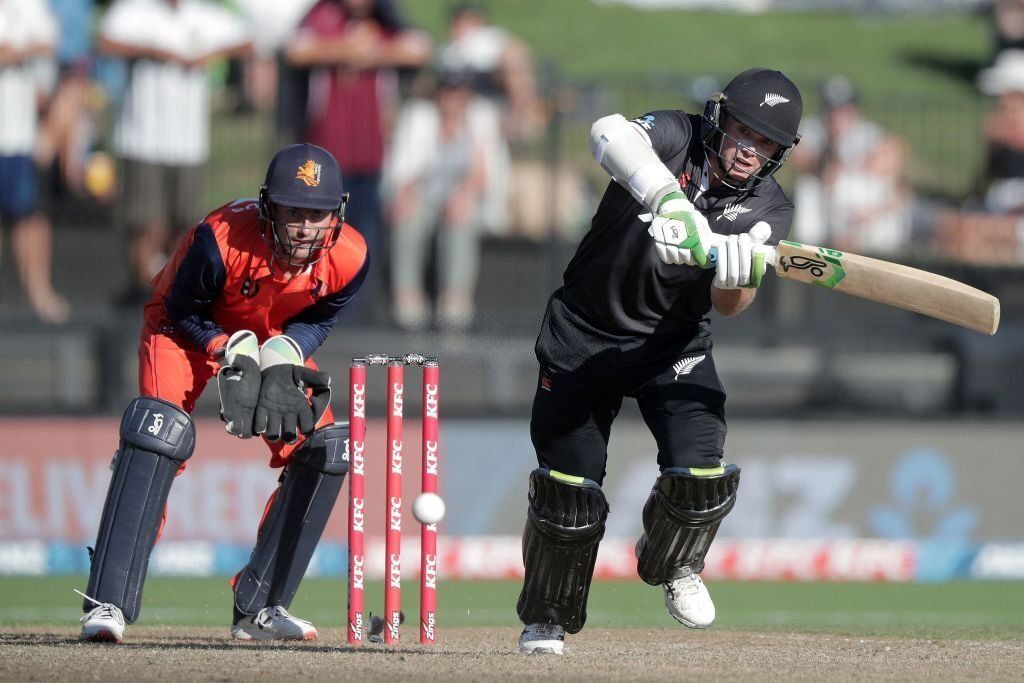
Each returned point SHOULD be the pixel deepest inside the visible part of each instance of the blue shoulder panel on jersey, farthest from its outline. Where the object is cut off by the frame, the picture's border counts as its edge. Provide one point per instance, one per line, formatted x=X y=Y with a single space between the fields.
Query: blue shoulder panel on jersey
x=198 y=282
x=312 y=325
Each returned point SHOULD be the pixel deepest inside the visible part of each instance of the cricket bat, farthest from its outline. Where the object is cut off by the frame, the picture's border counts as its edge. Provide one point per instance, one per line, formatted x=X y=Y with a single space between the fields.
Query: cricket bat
x=888 y=283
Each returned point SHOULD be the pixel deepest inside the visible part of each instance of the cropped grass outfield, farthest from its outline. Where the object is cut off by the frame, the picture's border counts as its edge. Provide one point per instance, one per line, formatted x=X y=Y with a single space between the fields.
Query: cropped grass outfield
x=923 y=54
x=979 y=610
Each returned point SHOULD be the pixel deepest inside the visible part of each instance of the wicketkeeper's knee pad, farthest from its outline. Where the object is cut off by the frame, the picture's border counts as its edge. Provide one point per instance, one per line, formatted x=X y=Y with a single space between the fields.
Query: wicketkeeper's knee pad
x=564 y=526
x=156 y=438
x=295 y=521
x=681 y=517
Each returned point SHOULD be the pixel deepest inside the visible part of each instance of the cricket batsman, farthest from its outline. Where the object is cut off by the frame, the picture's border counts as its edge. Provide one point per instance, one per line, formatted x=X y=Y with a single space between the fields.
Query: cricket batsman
x=631 y=319
x=251 y=292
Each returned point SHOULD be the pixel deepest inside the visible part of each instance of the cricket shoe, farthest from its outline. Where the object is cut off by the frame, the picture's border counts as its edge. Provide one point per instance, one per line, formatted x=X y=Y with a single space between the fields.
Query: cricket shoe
x=688 y=600
x=104 y=623
x=273 y=623
x=546 y=639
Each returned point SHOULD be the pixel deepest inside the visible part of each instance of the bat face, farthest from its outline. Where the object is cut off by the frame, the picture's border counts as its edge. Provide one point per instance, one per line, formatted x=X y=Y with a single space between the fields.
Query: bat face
x=889 y=283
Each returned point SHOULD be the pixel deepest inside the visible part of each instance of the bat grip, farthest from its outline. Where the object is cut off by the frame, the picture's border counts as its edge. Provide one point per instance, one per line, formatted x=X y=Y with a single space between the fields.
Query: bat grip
x=771 y=253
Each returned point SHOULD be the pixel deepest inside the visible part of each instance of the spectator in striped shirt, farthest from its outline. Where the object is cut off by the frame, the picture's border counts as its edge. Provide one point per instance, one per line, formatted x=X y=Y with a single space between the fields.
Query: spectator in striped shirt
x=162 y=132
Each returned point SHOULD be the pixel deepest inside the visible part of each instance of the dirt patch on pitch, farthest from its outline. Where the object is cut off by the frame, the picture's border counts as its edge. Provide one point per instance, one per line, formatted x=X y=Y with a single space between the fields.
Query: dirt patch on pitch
x=489 y=654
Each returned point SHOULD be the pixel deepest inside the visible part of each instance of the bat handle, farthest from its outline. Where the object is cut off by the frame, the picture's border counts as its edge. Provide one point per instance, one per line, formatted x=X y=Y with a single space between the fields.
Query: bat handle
x=771 y=253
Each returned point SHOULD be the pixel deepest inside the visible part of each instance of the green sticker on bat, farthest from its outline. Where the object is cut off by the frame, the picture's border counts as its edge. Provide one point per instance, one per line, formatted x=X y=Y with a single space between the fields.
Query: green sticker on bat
x=830 y=262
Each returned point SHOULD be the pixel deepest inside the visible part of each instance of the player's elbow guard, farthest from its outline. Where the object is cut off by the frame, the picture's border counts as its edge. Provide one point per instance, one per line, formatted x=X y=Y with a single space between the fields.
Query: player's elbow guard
x=625 y=152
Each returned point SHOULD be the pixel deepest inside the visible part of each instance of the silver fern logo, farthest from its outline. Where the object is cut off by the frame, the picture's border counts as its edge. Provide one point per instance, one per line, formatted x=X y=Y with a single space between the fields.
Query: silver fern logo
x=771 y=99
x=733 y=211
x=686 y=365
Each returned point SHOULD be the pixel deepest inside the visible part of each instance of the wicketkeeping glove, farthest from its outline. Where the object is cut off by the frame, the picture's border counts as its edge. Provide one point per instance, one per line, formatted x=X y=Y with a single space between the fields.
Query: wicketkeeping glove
x=740 y=259
x=681 y=232
x=238 y=383
x=284 y=411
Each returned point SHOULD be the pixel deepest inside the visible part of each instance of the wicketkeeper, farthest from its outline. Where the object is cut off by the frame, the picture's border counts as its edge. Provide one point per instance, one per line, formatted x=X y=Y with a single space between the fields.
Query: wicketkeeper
x=631 y=320
x=250 y=294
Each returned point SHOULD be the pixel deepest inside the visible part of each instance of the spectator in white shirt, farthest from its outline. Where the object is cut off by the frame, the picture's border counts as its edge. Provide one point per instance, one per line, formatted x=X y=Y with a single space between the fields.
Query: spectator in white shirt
x=434 y=176
x=506 y=106
x=162 y=132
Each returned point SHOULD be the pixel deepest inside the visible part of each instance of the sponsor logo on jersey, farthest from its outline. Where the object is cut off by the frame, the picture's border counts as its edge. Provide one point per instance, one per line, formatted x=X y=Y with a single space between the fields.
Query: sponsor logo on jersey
x=771 y=99
x=309 y=173
x=646 y=122
x=686 y=365
x=733 y=211
x=250 y=287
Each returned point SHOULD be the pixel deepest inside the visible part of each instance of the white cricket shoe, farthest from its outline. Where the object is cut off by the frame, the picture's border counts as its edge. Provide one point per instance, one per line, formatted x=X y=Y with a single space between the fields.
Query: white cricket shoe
x=689 y=602
x=103 y=623
x=547 y=639
x=273 y=623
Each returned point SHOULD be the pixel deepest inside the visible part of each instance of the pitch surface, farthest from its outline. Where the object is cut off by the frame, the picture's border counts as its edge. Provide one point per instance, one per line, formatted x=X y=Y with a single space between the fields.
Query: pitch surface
x=153 y=653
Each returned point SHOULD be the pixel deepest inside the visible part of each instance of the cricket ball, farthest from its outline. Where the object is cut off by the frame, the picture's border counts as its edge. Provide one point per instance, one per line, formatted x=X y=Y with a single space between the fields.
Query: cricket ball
x=428 y=508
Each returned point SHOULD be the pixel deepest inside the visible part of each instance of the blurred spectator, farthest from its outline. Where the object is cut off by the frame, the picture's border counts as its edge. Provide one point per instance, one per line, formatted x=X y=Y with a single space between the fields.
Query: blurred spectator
x=504 y=83
x=69 y=127
x=995 y=235
x=851 y=194
x=351 y=48
x=1004 y=133
x=28 y=33
x=1008 y=23
x=271 y=23
x=162 y=132
x=501 y=65
x=433 y=177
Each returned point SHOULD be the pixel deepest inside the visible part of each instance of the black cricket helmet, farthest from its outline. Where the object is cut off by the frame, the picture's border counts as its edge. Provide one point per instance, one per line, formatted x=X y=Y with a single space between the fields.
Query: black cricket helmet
x=765 y=101
x=307 y=177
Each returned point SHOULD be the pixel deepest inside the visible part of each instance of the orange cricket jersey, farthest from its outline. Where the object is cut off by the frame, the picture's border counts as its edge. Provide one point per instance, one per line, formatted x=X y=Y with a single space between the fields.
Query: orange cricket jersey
x=223 y=278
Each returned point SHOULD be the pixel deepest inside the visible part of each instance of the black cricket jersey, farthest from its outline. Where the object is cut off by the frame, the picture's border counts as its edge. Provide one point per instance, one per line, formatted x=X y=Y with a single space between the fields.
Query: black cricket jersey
x=617 y=286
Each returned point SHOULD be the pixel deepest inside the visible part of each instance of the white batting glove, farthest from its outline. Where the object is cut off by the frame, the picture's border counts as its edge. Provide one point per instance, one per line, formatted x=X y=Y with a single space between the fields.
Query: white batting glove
x=681 y=232
x=740 y=260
